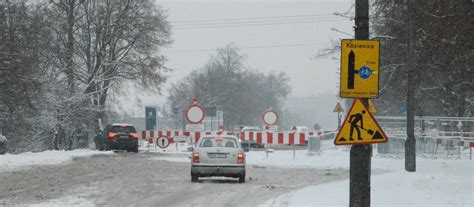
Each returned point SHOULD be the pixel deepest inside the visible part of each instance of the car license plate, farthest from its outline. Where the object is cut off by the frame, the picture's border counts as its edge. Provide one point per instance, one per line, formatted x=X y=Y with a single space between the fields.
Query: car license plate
x=217 y=155
x=123 y=137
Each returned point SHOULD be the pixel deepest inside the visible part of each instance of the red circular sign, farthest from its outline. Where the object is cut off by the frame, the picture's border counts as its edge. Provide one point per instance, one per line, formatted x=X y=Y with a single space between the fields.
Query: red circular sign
x=195 y=114
x=270 y=117
x=162 y=142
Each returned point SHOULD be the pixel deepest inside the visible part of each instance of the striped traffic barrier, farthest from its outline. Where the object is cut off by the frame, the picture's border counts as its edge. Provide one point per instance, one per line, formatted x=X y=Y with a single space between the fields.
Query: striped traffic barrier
x=259 y=137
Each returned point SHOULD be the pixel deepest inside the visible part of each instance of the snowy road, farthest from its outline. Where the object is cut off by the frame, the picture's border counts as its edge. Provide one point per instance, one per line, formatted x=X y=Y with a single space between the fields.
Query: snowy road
x=127 y=179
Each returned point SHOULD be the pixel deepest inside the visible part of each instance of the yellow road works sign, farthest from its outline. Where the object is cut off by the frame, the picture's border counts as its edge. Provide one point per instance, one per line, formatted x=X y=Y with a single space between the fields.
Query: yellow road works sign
x=360 y=127
x=338 y=108
x=372 y=108
x=359 y=68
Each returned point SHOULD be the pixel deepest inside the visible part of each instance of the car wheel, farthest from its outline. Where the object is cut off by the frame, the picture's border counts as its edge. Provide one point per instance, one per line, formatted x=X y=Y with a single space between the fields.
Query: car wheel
x=107 y=147
x=194 y=177
x=134 y=149
x=242 y=178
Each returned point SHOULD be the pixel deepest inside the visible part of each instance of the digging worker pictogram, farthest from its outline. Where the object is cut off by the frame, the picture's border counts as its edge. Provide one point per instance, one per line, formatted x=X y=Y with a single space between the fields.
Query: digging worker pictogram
x=359 y=121
x=353 y=120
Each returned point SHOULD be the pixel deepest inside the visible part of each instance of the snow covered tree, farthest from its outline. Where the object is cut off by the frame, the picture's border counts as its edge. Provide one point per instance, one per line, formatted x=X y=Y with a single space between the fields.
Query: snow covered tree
x=60 y=60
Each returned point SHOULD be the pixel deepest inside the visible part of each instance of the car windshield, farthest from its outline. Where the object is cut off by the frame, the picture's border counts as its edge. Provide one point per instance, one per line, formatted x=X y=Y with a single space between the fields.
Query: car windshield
x=218 y=142
x=127 y=129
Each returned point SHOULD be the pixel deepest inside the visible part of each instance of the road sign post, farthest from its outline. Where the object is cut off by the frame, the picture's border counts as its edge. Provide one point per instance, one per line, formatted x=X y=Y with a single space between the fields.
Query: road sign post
x=338 y=108
x=359 y=79
x=176 y=112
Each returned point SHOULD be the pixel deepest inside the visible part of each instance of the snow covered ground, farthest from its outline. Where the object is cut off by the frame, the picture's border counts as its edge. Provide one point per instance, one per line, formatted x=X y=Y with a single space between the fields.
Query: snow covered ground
x=66 y=201
x=436 y=182
x=15 y=161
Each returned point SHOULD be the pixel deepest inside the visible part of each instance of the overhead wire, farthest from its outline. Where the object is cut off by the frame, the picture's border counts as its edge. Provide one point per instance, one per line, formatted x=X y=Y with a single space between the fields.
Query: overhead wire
x=250 y=18
x=255 y=24
x=253 y=47
x=255 y=21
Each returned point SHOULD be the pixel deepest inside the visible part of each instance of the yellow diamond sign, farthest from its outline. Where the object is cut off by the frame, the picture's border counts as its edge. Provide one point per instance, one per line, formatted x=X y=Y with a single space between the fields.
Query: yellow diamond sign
x=359 y=68
x=359 y=127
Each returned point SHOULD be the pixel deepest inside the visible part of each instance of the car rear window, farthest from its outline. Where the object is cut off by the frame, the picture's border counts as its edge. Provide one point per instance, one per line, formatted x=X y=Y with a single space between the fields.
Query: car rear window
x=129 y=129
x=218 y=142
x=250 y=129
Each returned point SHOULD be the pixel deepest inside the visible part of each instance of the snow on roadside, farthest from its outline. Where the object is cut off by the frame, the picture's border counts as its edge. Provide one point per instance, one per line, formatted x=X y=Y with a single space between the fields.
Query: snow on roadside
x=15 y=161
x=66 y=201
x=436 y=183
x=329 y=159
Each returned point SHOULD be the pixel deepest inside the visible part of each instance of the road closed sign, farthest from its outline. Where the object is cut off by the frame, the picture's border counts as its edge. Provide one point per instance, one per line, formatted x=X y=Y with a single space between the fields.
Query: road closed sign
x=359 y=68
x=195 y=114
x=270 y=117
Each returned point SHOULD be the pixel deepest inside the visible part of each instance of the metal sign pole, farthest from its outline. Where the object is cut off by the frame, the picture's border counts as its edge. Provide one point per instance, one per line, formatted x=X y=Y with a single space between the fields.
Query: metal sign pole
x=294 y=150
x=360 y=160
x=338 y=120
x=176 y=121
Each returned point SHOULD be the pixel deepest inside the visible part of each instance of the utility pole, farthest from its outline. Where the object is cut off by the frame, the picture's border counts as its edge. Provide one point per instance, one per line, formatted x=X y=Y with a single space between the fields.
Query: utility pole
x=176 y=121
x=360 y=155
x=410 y=143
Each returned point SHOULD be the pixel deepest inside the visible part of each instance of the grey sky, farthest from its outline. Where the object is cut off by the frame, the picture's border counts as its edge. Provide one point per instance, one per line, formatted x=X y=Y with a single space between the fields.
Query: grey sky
x=276 y=47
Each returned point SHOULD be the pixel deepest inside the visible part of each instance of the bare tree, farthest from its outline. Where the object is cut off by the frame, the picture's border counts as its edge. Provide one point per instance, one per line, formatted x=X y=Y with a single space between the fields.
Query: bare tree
x=224 y=82
x=62 y=59
x=119 y=41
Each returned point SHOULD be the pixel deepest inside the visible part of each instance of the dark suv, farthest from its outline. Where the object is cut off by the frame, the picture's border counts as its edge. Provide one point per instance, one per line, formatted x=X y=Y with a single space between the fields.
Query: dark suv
x=117 y=137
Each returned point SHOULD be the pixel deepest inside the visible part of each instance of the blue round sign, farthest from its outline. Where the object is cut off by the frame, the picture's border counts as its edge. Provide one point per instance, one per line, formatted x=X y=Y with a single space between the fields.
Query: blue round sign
x=365 y=72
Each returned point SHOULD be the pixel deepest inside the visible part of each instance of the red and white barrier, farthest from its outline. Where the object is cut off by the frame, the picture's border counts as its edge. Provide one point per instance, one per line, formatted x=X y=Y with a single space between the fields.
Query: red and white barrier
x=467 y=144
x=451 y=133
x=454 y=141
x=258 y=137
x=194 y=135
x=276 y=137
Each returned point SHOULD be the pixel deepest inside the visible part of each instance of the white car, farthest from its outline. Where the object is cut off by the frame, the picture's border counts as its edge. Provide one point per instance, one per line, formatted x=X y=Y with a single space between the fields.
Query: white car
x=218 y=155
x=247 y=143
